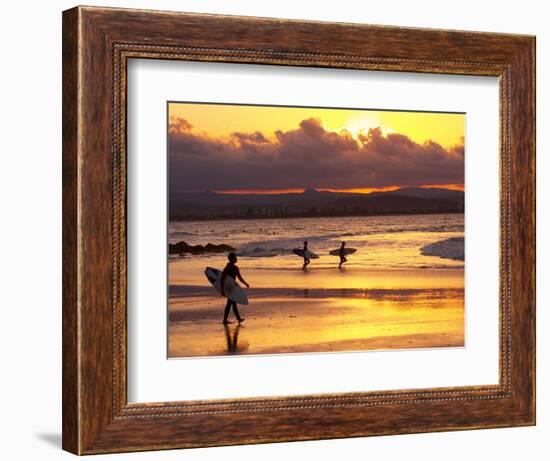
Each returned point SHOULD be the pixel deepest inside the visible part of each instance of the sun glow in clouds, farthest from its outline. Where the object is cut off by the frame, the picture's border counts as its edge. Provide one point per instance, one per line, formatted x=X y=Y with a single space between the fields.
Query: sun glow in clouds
x=239 y=149
x=221 y=120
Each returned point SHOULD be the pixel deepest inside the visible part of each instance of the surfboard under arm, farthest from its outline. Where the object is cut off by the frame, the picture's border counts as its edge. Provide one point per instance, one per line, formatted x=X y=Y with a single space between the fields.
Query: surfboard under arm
x=232 y=289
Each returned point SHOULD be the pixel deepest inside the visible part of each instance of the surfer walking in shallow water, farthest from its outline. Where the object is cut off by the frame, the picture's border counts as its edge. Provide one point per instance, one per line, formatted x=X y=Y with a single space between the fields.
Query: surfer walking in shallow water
x=343 y=258
x=305 y=255
x=231 y=270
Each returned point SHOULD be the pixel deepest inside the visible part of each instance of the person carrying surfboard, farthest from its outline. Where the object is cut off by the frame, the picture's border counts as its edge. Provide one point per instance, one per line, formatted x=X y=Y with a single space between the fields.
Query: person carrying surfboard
x=305 y=254
x=343 y=258
x=231 y=270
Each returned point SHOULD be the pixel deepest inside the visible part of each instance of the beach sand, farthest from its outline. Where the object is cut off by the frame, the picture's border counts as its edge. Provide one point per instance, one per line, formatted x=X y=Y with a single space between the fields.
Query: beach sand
x=324 y=311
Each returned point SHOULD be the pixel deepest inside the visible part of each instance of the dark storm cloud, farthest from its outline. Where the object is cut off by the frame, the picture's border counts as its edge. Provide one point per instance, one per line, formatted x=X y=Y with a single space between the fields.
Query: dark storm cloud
x=307 y=157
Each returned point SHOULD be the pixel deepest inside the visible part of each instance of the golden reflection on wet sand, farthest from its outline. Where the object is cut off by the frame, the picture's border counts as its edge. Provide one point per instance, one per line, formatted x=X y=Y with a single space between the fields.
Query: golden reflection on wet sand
x=322 y=319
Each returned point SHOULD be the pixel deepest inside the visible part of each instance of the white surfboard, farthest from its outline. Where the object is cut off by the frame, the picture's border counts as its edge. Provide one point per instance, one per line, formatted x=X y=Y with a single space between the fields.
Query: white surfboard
x=232 y=289
x=300 y=252
x=347 y=251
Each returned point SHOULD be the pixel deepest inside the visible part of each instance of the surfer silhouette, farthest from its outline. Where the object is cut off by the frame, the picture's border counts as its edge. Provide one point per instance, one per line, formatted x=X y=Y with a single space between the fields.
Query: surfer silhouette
x=306 y=259
x=343 y=258
x=231 y=270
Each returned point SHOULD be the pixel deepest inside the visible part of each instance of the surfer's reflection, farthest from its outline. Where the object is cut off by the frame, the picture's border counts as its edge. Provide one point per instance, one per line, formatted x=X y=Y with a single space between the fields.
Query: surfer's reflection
x=232 y=339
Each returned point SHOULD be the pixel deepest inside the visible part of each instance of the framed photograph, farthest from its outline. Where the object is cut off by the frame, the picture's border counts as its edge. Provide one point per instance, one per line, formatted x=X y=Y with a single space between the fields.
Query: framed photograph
x=352 y=233
x=281 y=230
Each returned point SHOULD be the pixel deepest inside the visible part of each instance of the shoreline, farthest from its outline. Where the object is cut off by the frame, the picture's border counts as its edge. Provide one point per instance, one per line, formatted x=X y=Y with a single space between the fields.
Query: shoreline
x=184 y=274
x=275 y=218
x=199 y=291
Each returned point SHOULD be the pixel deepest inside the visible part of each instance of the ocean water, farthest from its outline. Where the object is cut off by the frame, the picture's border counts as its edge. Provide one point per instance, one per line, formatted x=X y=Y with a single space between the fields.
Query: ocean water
x=382 y=242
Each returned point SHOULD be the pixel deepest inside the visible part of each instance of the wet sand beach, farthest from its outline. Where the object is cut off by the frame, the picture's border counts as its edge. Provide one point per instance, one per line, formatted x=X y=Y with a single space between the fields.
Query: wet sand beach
x=326 y=310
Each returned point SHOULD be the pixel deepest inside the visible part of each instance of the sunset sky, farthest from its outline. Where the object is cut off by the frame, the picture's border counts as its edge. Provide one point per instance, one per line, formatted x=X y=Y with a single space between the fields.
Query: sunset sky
x=269 y=149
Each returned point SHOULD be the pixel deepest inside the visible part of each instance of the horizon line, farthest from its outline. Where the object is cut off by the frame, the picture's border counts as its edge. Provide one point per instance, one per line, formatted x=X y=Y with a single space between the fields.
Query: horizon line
x=364 y=190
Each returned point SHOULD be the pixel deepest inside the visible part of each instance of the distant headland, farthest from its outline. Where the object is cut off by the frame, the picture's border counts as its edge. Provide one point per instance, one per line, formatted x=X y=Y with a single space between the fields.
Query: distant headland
x=313 y=203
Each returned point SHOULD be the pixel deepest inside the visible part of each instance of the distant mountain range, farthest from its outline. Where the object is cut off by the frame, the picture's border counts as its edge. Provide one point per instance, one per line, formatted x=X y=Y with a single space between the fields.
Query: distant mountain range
x=312 y=203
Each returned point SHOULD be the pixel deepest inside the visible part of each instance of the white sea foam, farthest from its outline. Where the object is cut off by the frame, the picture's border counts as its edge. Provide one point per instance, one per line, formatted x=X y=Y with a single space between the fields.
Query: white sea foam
x=381 y=241
x=452 y=248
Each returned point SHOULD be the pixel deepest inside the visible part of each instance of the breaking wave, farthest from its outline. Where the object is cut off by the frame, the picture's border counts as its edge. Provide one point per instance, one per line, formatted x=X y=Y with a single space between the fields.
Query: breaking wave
x=261 y=252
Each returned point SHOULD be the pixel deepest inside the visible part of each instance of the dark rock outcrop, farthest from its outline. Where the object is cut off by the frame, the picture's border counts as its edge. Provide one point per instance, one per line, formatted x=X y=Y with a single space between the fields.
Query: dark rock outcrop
x=183 y=247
